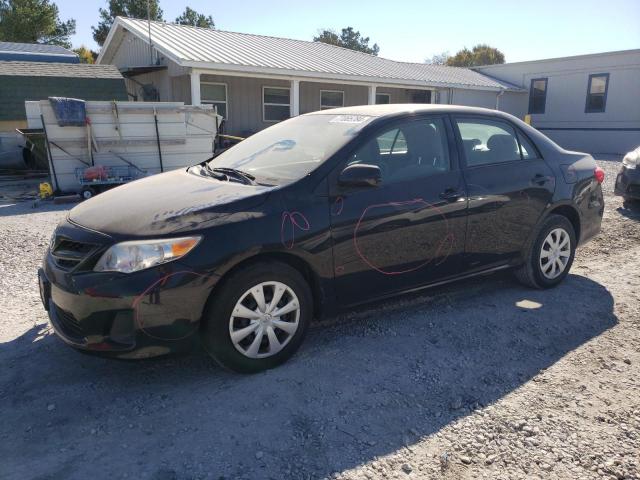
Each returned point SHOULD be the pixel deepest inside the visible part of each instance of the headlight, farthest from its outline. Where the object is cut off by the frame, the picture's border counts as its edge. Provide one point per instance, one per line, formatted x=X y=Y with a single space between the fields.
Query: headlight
x=130 y=257
x=632 y=159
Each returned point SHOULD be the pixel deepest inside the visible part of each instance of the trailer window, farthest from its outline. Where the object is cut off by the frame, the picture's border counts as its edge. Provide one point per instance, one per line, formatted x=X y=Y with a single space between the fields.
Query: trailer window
x=538 y=95
x=597 y=93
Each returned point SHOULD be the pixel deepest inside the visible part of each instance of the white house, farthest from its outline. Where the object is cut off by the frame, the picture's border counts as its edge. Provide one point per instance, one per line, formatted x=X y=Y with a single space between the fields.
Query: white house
x=255 y=81
x=587 y=102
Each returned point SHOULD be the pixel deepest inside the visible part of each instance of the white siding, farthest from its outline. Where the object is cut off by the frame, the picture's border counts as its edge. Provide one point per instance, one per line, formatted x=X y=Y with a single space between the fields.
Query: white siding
x=616 y=130
x=474 y=98
x=131 y=52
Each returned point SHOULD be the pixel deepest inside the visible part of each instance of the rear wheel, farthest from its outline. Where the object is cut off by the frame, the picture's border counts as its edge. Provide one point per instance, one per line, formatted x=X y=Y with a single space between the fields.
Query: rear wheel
x=258 y=318
x=551 y=255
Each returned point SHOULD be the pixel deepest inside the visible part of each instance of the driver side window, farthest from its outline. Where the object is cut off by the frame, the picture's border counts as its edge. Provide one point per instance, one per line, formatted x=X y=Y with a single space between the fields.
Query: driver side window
x=408 y=151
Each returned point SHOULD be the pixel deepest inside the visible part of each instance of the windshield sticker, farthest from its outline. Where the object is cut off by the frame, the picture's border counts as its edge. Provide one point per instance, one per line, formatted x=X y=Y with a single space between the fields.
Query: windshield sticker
x=349 y=119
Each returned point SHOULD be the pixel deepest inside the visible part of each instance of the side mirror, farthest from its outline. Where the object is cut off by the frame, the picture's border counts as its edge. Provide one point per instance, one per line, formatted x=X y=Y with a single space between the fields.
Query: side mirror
x=360 y=175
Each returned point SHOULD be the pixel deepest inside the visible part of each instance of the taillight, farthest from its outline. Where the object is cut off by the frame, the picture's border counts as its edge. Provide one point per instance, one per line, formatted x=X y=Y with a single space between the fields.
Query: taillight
x=599 y=174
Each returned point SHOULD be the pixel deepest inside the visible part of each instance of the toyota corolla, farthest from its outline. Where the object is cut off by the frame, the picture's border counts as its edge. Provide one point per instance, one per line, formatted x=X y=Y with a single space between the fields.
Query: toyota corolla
x=318 y=213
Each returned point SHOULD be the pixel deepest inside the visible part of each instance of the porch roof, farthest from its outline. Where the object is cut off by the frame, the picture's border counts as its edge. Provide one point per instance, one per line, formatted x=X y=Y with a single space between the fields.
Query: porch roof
x=204 y=48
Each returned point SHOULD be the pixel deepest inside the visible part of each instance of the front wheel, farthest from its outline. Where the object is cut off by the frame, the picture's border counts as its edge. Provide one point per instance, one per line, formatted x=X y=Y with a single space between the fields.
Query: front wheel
x=258 y=318
x=551 y=255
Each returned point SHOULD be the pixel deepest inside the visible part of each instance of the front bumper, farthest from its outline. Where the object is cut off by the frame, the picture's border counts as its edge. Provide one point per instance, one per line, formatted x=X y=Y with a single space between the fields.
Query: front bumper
x=628 y=183
x=143 y=314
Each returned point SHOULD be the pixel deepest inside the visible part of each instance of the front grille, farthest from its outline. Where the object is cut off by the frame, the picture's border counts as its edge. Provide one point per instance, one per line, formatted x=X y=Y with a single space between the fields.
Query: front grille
x=69 y=254
x=69 y=323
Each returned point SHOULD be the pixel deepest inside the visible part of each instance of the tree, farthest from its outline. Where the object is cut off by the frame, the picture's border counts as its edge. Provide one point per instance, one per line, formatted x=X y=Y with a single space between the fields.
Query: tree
x=438 y=59
x=124 y=8
x=349 y=38
x=481 y=54
x=34 y=21
x=86 y=55
x=195 y=19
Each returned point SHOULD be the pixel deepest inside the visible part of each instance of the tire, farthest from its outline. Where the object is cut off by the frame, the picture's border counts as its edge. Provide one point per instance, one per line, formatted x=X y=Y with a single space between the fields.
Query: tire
x=532 y=272
x=237 y=292
x=87 y=192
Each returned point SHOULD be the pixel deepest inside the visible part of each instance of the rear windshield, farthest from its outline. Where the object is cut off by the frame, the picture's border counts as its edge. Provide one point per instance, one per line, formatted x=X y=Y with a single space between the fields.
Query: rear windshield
x=291 y=149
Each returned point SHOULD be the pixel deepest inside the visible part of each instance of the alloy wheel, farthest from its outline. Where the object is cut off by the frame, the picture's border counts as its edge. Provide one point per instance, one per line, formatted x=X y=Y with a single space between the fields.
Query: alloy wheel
x=264 y=320
x=555 y=253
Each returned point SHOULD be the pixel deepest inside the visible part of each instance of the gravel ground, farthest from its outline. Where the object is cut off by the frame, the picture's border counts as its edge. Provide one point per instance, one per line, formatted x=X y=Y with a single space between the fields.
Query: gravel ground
x=481 y=379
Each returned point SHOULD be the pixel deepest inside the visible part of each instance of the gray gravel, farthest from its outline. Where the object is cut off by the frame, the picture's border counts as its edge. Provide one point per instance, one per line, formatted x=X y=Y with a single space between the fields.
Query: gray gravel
x=481 y=379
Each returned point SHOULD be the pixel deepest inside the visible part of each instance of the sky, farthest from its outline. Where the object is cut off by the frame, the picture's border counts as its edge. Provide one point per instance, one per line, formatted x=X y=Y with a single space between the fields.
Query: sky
x=413 y=30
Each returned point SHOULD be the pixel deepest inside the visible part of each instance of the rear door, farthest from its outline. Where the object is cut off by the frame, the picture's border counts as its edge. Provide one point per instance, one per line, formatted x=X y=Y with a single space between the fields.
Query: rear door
x=409 y=230
x=508 y=183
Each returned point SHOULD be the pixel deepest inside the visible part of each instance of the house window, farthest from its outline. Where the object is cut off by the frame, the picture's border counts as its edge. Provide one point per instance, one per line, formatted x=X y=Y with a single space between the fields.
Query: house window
x=331 y=99
x=383 y=98
x=537 y=95
x=214 y=94
x=597 y=92
x=276 y=103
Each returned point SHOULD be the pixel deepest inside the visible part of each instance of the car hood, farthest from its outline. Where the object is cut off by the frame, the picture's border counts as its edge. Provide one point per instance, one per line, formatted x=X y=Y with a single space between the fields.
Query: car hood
x=167 y=203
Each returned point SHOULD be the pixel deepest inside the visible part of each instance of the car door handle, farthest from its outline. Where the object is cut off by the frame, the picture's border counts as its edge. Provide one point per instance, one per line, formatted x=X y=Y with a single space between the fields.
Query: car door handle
x=450 y=195
x=539 y=179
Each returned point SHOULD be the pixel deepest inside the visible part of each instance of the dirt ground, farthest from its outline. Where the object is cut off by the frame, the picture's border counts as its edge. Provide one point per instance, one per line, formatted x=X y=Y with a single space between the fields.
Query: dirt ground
x=481 y=379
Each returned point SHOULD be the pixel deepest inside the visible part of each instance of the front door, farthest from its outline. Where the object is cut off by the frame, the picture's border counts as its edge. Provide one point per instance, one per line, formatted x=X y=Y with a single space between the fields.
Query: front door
x=509 y=186
x=409 y=230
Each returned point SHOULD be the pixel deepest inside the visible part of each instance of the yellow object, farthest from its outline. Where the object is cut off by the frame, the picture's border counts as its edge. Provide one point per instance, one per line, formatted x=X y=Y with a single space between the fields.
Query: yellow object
x=183 y=247
x=527 y=119
x=45 y=190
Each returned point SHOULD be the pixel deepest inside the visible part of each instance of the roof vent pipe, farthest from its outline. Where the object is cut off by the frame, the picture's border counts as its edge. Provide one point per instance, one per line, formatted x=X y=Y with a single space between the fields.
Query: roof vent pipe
x=500 y=93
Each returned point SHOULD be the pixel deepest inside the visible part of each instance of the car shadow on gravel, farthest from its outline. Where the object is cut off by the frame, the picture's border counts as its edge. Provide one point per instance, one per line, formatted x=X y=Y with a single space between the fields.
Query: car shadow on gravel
x=366 y=384
x=630 y=209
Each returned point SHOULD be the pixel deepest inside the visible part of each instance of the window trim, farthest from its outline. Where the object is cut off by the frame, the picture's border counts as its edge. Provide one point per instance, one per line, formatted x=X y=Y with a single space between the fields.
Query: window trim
x=604 y=96
x=531 y=92
x=331 y=91
x=264 y=104
x=516 y=130
x=212 y=102
x=388 y=95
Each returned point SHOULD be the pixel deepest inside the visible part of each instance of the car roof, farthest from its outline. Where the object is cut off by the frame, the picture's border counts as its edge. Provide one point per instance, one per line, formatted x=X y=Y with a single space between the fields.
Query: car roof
x=404 y=108
x=382 y=113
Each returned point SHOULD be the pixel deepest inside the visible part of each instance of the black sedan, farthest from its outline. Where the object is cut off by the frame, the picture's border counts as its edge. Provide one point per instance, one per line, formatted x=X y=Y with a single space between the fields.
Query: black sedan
x=628 y=180
x=317 y=213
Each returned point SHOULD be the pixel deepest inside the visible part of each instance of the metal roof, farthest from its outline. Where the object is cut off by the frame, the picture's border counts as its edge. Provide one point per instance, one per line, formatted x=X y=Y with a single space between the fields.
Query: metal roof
x=36 y=52
x=216 y=49
x=48 y=69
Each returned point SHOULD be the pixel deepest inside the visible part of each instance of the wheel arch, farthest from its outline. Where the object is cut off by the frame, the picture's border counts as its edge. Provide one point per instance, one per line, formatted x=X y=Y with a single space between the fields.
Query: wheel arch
x=303 y=267
x=571 y=213
x=566 y=210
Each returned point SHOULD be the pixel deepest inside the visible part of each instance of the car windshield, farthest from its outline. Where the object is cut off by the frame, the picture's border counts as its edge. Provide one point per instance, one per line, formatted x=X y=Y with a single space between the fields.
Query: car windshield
x=291 y=149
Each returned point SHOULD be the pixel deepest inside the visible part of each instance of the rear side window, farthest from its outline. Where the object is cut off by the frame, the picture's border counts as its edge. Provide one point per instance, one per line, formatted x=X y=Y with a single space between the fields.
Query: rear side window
x=487 y=141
